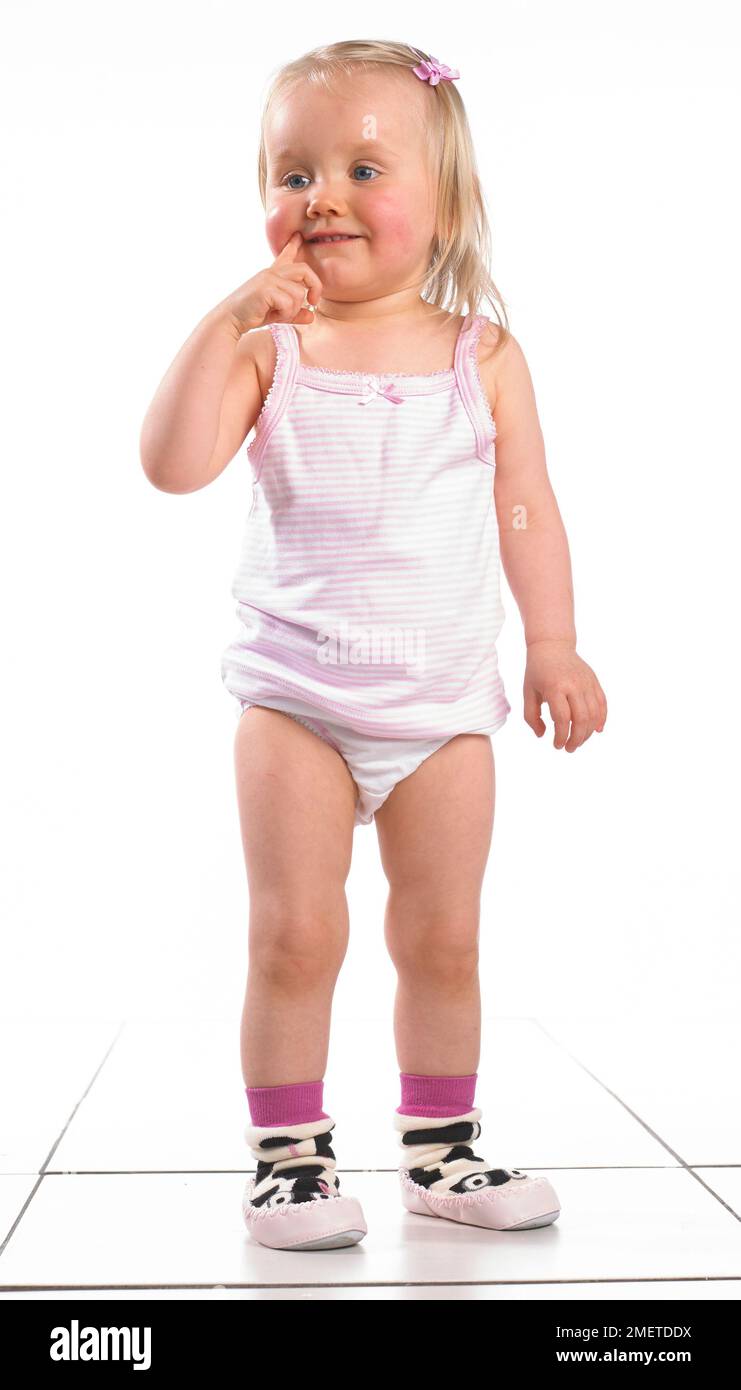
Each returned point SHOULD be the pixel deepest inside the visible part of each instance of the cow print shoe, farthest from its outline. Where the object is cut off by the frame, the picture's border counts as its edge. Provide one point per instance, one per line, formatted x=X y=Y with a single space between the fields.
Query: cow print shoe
x=294 y=1201
x=442 y=1176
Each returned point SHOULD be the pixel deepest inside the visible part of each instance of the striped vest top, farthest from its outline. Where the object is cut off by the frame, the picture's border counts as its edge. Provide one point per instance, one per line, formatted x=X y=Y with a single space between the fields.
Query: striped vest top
x=368 y=578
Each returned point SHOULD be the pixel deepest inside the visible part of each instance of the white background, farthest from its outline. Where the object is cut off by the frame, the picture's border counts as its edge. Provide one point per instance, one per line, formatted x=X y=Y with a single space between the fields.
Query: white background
x=606 y=138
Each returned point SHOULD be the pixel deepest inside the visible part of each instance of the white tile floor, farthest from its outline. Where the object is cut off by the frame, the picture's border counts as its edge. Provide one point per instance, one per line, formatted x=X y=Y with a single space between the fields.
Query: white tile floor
x=122 y=1163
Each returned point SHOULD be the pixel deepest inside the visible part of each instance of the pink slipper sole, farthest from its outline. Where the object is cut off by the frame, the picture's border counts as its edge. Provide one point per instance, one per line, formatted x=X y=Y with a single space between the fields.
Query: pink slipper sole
x=518 y=1205
x=326 y=1223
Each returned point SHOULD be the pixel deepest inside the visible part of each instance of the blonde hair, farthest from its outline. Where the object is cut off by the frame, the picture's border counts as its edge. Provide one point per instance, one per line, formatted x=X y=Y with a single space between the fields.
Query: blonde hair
x=458 y=270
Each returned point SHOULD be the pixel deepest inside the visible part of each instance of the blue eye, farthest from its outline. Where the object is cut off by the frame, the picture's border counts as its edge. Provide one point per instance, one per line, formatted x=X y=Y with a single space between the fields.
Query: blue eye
x=295 y=188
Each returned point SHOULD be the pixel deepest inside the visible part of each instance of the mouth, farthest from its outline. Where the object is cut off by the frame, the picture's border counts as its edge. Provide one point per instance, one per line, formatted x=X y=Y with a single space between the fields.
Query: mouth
x=331 y=240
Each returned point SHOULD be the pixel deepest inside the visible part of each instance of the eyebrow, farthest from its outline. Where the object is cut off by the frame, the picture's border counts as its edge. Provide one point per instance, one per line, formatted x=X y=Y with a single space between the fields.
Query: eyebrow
x=362 y=145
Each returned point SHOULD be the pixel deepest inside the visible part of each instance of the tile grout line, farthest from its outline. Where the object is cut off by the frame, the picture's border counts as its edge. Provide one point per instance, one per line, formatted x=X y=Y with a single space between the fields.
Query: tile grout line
x=393 y=1283
x=60 y=1136
x=638 y=1119
x=230 y=1172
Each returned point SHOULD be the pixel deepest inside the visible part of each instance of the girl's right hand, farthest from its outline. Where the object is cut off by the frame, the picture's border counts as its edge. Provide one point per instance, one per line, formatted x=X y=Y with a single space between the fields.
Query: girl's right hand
x=276 y=295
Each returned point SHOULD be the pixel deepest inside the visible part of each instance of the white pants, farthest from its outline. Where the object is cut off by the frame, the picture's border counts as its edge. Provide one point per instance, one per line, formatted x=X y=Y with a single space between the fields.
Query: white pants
x=375 y=764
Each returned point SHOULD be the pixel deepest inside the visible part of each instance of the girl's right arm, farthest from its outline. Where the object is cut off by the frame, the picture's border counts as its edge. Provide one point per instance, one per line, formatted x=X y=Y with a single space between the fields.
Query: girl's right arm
x=210 y=397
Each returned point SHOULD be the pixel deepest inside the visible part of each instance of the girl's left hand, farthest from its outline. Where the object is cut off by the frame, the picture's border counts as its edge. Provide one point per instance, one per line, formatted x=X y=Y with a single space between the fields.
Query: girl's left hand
x=557 y=676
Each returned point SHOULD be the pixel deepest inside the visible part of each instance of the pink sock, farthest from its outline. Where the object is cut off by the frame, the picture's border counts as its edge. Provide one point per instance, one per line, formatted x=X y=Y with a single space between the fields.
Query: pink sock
x=296 y=1104
x=436 y=1096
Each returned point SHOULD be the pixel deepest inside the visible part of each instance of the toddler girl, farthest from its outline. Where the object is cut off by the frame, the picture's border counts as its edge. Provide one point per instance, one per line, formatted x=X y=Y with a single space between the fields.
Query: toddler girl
x=365 y=666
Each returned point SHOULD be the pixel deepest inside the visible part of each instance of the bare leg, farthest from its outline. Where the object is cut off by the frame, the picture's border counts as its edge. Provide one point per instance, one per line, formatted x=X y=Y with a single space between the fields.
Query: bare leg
x=434 y=834
x=296 y=808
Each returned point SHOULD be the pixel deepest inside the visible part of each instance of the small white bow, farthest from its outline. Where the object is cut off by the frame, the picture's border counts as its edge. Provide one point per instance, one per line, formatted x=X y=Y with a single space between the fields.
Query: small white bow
x=372 y=389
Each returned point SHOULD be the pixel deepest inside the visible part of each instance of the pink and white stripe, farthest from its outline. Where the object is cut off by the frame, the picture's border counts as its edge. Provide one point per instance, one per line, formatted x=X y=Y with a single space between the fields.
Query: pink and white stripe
x=378 y=523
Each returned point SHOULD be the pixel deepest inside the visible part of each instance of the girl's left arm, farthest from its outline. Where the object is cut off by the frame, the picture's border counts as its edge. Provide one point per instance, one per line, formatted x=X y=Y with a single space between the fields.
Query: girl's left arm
x=535 y=557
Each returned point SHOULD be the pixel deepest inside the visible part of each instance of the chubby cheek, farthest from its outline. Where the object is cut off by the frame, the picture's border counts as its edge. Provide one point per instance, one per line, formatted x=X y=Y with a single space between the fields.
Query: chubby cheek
x=394 y=227
x=280 y=223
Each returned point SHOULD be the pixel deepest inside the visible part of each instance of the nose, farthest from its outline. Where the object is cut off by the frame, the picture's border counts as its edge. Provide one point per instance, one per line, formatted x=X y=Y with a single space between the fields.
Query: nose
x=326 y=200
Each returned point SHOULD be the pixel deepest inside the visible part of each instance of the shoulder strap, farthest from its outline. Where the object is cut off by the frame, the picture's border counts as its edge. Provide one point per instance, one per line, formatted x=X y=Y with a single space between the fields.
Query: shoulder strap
x=284 y=376
x=471 y=388
x=285 y=338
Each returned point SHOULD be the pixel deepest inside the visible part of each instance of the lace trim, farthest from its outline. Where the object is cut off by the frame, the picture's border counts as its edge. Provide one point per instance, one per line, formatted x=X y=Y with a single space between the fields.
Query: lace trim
x=338 y=371
x=474 y=354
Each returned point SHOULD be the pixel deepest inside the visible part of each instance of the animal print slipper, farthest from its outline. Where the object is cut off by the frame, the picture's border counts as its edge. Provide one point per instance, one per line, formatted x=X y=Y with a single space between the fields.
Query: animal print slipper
x=294 y=1200
x=442 y=1176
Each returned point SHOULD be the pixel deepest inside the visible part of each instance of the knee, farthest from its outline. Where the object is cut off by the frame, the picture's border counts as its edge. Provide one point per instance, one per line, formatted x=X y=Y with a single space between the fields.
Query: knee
x=446 y=952
x=297 y=949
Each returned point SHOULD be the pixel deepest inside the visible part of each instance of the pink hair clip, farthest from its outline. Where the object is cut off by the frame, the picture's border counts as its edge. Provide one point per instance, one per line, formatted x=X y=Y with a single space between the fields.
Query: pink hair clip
x=434 y=71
